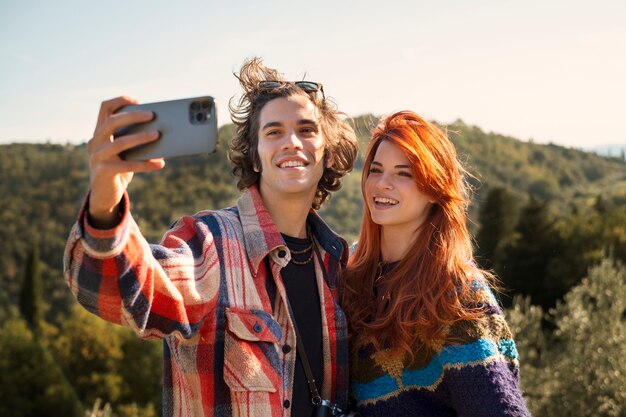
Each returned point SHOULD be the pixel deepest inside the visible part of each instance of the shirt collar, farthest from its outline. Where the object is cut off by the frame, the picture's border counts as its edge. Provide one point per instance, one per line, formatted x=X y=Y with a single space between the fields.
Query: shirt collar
x=262 y=236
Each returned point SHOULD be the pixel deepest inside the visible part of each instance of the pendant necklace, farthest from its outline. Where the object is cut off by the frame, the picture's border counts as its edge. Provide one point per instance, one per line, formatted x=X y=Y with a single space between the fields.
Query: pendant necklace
x=382 y=270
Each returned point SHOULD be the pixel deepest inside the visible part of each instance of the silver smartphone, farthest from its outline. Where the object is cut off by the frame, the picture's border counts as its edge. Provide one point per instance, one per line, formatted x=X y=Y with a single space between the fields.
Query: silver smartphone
x=186 y=126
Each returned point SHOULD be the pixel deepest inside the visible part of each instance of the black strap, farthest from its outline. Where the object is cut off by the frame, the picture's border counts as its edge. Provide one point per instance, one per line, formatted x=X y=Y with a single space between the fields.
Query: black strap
x=316 y=399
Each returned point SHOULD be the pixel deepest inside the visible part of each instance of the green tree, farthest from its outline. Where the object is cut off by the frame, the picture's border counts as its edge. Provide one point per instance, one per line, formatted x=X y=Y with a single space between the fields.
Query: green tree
x=31 y=383
x=587 y=365
x=31 y=303
x=110 y=364
x=526 y=261
x=497 y=218
x=89 y=351
x=526 y=323
x=141 y=369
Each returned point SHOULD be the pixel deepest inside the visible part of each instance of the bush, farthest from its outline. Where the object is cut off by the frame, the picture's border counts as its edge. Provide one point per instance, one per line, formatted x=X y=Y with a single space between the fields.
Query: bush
x=31 y=383
x=575 y=367
x=588 y=366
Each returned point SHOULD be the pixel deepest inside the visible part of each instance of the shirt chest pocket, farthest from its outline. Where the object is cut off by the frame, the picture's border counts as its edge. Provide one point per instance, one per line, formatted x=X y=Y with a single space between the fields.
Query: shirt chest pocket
x=251 y=359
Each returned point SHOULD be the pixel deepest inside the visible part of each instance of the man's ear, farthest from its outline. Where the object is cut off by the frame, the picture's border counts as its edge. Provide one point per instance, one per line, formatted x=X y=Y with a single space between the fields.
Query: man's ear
x=330 y=159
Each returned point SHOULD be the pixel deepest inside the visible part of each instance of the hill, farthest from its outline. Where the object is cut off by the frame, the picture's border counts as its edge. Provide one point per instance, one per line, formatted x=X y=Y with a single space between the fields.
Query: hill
x=43 y=185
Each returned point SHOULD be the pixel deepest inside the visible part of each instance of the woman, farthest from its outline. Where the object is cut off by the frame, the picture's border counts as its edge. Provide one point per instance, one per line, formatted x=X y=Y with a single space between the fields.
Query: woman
x=427 y=335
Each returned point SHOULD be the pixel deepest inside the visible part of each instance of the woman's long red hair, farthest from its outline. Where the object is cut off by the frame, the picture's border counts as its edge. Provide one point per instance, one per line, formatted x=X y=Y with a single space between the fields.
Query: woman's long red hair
x=428 y=285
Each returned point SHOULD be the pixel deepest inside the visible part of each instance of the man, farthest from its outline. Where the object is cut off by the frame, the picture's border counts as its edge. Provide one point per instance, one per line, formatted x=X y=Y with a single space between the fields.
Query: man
x=215 y=289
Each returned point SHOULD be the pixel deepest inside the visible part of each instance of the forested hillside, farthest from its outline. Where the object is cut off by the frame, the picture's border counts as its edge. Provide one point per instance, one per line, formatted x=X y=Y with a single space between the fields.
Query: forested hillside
x=543 y=215
x=43 y=186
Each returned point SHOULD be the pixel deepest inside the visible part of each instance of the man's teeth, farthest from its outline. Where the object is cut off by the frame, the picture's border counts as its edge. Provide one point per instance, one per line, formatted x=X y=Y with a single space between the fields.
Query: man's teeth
x=385 y=200
x=290 y=164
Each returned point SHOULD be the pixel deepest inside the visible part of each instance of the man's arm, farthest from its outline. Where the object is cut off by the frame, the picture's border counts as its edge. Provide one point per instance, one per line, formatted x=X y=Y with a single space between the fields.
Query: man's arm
x=109 y=266
x=154 y=289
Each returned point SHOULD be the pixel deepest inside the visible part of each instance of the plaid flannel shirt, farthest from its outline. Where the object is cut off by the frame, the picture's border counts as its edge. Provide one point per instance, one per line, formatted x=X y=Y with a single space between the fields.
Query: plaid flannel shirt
x=204 y=291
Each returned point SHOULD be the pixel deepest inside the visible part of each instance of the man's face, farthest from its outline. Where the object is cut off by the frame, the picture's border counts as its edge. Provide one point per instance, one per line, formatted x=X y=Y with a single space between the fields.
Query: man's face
x=291 y=148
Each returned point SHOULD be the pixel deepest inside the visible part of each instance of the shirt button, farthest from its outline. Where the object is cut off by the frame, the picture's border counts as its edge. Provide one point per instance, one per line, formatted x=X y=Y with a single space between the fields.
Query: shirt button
x=286 y=348
x=282 y=253
x=286 y=403
x=257 y=327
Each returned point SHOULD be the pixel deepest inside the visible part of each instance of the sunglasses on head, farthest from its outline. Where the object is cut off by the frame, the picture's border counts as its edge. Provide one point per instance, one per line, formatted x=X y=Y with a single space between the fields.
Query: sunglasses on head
x=306 y=86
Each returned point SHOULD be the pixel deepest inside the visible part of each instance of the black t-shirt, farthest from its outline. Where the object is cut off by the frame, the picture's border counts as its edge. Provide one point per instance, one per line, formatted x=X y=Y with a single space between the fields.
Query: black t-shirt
x=301 y=286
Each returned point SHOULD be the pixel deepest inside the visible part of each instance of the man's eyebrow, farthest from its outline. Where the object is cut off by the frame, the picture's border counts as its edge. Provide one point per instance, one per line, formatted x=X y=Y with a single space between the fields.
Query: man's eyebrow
x=271 y=124
x=299 y=122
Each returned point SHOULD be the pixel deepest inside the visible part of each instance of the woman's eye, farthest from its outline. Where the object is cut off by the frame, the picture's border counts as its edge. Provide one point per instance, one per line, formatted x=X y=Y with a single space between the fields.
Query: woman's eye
x=405 y=174
x=375 y=171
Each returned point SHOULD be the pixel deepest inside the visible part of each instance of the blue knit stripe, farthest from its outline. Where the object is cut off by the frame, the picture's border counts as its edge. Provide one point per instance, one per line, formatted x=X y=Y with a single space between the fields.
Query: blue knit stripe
x=477 y=351
x=374 y=389
x=507 y=348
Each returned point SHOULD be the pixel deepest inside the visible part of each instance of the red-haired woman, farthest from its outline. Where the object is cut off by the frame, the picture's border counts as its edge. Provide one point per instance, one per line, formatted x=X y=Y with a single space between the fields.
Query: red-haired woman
x=427 y=335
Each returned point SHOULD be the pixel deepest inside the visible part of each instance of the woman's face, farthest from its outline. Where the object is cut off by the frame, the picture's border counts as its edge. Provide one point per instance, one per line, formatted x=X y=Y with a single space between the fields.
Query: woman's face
x=391 y=192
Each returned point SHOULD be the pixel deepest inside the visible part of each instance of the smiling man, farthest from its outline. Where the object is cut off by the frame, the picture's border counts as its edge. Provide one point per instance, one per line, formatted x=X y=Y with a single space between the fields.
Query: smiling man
x=216 y=288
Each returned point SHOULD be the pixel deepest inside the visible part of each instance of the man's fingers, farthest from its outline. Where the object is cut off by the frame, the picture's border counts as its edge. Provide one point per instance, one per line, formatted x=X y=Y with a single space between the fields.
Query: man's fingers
x=116 y=121
x=112 y=123
x=109 y=107
x=123 y=143
x=139 y=166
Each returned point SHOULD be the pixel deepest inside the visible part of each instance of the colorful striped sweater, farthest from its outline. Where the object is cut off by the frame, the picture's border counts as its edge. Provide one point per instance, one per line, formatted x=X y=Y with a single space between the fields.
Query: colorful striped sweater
x=479 y=376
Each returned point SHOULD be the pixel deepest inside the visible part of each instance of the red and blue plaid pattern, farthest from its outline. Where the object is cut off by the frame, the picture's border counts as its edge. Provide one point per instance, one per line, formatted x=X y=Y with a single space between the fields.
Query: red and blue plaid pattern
x=203 y=290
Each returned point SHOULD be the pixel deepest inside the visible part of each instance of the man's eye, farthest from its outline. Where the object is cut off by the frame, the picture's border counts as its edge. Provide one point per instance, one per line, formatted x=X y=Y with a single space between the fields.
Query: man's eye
x=272 y=132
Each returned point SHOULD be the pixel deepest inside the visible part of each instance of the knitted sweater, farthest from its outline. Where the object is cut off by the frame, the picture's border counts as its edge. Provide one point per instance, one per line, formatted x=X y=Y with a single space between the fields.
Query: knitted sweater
x=479 y=376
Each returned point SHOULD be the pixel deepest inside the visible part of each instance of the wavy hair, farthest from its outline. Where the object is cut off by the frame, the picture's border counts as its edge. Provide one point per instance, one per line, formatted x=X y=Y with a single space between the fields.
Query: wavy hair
x=340 y=139
x=429 y=284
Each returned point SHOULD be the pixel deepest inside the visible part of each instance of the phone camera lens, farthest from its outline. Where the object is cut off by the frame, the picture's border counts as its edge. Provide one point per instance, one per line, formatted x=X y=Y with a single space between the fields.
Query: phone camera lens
x=201 y=117
x=195 y=106
x=206 y=105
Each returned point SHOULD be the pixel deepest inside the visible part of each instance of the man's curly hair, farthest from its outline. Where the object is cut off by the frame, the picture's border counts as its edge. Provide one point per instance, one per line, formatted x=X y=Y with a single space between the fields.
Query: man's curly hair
x=340 y=139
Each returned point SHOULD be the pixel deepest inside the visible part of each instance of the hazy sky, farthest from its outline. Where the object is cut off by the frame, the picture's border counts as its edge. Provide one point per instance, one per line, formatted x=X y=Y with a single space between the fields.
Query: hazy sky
x=553 y=71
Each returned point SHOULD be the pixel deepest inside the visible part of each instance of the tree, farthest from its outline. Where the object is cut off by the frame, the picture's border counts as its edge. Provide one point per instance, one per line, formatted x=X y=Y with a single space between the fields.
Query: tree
x=89 y=350
x=587 y=361
x=31 y=382
x=109 y=363
x=141 y=369
x=497 y=217
x=31 y=294
x=575 y=367
x=526 y=323
x=526 y=261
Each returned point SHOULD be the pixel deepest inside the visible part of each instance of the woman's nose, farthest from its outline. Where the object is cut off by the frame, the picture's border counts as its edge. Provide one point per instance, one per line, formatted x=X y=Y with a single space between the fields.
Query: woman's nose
x=384 y=182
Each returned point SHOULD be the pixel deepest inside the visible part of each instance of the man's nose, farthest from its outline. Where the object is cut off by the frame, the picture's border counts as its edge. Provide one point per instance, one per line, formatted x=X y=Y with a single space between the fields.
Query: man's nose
x=292 y=140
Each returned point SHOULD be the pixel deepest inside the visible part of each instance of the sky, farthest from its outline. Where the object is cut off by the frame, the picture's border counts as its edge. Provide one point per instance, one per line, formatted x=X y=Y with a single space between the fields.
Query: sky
x=551 y=71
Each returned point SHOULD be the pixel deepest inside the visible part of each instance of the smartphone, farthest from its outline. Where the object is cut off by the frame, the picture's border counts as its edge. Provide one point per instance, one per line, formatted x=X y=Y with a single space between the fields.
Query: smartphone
x=186 y=126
